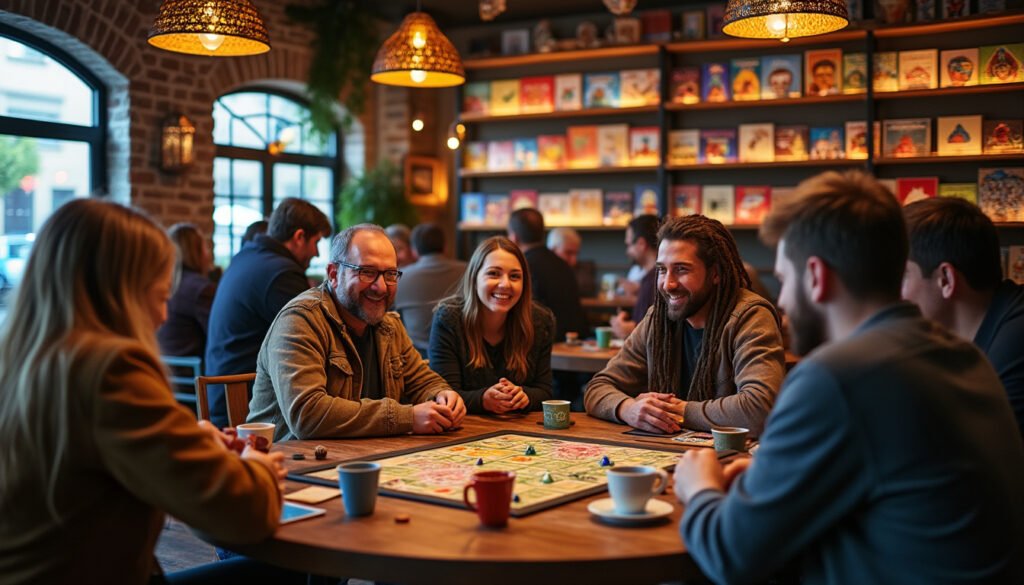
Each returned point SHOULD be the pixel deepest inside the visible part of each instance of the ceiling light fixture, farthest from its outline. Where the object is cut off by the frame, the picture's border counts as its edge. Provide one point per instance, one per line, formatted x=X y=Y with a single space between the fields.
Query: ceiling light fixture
x=784 y=19
x=418 y=55
x=217 y=28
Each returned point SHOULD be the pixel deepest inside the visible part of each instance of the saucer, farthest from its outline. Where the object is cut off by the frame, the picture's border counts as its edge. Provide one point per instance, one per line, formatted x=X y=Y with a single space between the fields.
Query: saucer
x=604 y=509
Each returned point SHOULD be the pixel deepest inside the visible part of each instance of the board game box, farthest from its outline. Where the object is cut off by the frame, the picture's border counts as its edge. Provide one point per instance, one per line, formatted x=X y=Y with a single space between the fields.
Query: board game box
x=438 y=473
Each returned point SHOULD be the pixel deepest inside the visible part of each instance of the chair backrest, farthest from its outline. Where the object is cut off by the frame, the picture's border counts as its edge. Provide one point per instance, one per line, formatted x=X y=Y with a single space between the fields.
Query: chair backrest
x=176 y=364
x=236 y=391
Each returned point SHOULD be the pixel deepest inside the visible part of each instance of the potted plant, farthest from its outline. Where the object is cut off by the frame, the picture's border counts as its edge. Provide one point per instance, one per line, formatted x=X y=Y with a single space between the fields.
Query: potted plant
x=378 y=196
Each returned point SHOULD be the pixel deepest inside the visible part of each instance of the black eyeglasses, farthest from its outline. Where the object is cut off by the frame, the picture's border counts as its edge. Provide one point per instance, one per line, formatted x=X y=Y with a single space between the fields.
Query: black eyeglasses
x=369 y=275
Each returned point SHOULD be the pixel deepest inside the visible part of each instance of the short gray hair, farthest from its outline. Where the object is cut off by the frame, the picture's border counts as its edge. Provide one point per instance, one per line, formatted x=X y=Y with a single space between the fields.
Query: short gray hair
x=342 y=241
x=559 y=235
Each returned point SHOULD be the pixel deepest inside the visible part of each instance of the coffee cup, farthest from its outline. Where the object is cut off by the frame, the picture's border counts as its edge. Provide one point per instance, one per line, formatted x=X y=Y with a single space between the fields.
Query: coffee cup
x=572 y=338
x=493 y=495
x=730 y=438
x=358 y=482
x=556 y=414
x=604 y=337
x=631 y=487
x=259 y=429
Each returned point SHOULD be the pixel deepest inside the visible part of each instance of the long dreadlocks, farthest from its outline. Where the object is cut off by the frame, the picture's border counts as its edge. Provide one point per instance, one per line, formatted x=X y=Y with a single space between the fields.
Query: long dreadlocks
x=716 y=248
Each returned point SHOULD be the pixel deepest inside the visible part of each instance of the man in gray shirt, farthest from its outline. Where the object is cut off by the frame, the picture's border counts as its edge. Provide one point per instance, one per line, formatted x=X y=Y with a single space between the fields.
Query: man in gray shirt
x=424 y=282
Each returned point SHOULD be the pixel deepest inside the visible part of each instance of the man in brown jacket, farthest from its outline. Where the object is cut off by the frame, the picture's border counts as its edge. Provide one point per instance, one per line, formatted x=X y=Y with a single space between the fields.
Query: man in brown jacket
x=336 y=364
x=709 y=351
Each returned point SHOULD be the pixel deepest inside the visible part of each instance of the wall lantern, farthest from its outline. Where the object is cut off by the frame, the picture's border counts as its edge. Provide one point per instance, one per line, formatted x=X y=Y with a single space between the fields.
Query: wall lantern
x=177 y=146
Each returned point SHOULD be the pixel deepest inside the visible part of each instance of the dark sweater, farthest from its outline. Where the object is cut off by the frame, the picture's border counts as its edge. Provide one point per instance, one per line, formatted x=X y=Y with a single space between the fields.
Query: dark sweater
x=188 y=315
x=554 y=286
x=1001 y=337
x=449 y=357
x=891 y=457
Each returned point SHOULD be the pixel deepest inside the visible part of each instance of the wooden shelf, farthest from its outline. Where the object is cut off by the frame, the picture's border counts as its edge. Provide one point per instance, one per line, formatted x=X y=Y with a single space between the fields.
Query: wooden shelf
x=466 y=174
x=590 y=112
x=944 y=91
x=732 y=44
x=801 y=101
x=500 y=228
x=838 y=162
x=949 y=26
x=499 y=62
x=949 y=159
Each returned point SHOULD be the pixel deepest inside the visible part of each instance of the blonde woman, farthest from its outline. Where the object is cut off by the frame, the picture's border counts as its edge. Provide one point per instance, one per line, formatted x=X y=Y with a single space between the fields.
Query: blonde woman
x=188 y=310
x=490 y=342
x=93 y=449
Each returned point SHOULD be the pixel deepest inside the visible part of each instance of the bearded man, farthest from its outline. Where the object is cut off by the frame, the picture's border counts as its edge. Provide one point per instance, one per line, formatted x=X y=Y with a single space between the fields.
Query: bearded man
x=336 y=364
x=709 y=351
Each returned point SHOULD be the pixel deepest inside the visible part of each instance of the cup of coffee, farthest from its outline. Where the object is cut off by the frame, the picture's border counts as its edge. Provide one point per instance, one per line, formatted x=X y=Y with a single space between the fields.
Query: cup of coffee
x=730 y=438
x=257 y=429
x=493 y=495
x=604 y=337
x=358 y=482
x=631 y=487
x=556 y=414
x=572 y=338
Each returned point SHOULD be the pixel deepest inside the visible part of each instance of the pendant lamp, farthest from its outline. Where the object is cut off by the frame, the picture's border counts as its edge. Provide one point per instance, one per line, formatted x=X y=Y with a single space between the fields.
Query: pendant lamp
x=217 y=28
x=418 y=55
x=784 y=19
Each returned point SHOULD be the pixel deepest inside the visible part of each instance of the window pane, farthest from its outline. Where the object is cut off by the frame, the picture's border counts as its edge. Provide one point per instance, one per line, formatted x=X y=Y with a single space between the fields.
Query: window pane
x=317 y=183
x=55 y=93
x=246 y=178
x=231 y=217
x=287 y=182
x=244 y=133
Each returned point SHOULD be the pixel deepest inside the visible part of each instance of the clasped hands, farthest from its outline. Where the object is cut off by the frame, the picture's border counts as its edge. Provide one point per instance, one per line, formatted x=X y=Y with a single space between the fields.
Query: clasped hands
x=505 y=397
x=654 y=412
x=442 y=414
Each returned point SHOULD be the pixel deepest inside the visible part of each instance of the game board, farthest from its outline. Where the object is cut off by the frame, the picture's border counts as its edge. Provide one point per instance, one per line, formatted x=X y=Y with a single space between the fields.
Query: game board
x=438 y=473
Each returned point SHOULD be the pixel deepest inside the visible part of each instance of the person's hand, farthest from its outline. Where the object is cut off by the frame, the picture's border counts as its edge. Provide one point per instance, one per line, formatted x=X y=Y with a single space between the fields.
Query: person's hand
x=734 y=468
x=654 y=412
x=518 y=397
x=497 y=400
x=220 y=437
x=273 y=461
x=429 y=418
x=454 y=402
x=622 y=325
x=698 y=470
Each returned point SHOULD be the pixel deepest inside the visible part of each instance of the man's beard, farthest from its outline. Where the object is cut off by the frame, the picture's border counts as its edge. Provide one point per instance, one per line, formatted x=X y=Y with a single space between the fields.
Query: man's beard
x=694 y=303
x=806 y=324
x=352 y=305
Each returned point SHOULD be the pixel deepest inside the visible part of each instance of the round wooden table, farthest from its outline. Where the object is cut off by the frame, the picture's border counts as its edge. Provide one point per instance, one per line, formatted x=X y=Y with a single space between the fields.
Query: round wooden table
x=447 y=545
x=584 y=357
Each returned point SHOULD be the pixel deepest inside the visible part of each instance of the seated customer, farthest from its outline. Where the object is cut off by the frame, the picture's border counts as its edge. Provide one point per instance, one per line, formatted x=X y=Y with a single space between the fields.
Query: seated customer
x=641 y=248
x=93 y=449
x=709 y=353
x=953 y=274
x=490 y=342
x=336 y=364
x=565 y=242
x=188 y=310
x=892 y=455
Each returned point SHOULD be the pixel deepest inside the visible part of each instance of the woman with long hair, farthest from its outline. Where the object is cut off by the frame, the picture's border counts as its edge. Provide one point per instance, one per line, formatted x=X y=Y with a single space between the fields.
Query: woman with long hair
x=93 y=448
x=490 y=342
x=188 y=310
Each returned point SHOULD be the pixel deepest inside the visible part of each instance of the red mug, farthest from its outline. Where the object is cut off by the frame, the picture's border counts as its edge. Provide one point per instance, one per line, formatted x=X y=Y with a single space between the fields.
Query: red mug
x=493 y=496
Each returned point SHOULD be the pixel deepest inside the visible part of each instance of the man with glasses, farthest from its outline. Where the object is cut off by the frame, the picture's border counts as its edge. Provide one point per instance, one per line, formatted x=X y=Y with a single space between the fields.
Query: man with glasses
x=336 y=364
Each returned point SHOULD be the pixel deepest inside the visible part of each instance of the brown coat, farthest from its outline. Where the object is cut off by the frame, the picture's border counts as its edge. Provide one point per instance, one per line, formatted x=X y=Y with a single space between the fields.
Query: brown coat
x=750 y=371
x=133 y=454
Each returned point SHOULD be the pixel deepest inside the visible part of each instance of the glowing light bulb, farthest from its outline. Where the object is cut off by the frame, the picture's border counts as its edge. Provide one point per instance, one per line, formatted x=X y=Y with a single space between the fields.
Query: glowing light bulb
x=453 y=142
x=418 y=75
x=417 y=125
x=776 y=23
x=784 y=39
x=211 y=41
x=287 y=135
x=419 y=40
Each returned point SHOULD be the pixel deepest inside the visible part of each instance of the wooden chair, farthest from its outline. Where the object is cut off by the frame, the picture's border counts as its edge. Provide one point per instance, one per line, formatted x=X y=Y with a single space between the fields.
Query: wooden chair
x=236 y=391
x=177 y=365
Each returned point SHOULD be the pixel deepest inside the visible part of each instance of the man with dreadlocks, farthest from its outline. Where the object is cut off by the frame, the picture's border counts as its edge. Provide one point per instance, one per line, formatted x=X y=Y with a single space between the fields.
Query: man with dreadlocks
x=709 y=351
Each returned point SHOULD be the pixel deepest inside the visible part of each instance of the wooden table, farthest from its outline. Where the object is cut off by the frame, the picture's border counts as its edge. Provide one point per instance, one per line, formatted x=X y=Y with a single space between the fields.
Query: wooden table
x=580 y=358
x=447 y=545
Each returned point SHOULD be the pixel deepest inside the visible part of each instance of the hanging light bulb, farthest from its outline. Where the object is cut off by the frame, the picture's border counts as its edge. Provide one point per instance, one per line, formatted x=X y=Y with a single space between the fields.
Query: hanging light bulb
x=417 y=124
x=219 y=28
x=453 y=143
x=418 y=55
x=456 y=134
x=418 y=75
x=784 y=19
x=212 y=42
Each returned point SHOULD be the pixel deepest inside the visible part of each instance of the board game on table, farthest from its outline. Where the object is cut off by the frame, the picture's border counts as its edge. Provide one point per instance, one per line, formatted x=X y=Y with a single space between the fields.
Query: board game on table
x=438 y=473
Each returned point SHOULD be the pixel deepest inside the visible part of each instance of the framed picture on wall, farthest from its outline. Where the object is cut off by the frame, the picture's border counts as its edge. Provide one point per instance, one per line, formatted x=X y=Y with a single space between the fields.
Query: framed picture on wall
x=515 y=42
x=424 y=181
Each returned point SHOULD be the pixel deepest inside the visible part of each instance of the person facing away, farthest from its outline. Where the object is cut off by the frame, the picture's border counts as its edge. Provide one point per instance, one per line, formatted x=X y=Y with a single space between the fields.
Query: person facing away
x=489 y=341
x=93 y=448
x=188 y=310
x=401 y=239
x=552 y=282
x=642 y=249
x=708 y=353
x=267 y=273
x=955 y=277
x=337 y=364
x=892 y=455
x=426 y=281
x=566 y=242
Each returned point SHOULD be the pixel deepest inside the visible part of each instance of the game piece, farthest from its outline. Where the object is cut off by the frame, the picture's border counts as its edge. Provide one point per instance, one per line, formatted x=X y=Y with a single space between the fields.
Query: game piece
x=546 y=478
x=515 y=499
x=530 y=450
x=401 y=518
x=320 y=452
x=298 y=456
x=480 y=461
x=606 y=462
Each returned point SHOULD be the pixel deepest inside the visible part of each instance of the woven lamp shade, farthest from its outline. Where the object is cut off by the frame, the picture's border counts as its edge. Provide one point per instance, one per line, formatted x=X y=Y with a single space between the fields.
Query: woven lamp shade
x=784 y=19
x=418 y=55
x=220 y=28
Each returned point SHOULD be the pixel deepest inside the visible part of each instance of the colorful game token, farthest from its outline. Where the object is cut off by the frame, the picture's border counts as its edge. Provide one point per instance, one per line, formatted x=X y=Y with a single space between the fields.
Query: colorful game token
x=515 y=498
x=480 y=461
x=401 y=518
x=606 y=462
x=546 y=478
x=320 y=452
x=298 y=456
x=530 y=450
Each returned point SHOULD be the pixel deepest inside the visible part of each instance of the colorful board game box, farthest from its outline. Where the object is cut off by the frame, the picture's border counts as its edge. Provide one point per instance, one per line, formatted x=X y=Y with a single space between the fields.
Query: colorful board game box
x=505 y=97
x=856 y=139
x=956 y=8
x=644 y=145
x=496 y=210
x=781 y=77
x=613 y=145
x=912 y=189
x=718 y=146
x=886 y=72
x=639 y=87
x=476 y=97
x=525 y=153
x=554 y=207
x=745 y=74
x=618 y=207
x=1002 y=63
x=585 y=206
x=968 y=191
x=907 y=137
x=958 y=135
x=756 y=142
x=855 y=73
x=791 y=143
x=683 y=147
x=601 y=90
x=501 y=155
x=715 y=18
x=925 y=10
x=568 y=92
x=826 y=143
x=1002 y=136
x=647 y=201
x=715 y=82
x=718 y=202
x=958 y=67
x=657 y=26
x=752 y=204
x=823 y=68
x=581 y=147
x=476 y=156
x=537 y=94
x=918 y=69
x=685 y=85
x=685 y=200
x=1001 y=193
x=522 y=199
x=551 y=151
x=472 y=208
x=693 y=25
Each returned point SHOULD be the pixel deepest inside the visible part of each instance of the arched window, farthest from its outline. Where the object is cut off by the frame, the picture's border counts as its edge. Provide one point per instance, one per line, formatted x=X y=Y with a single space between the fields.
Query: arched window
x=265 y=153
x=52 y=142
